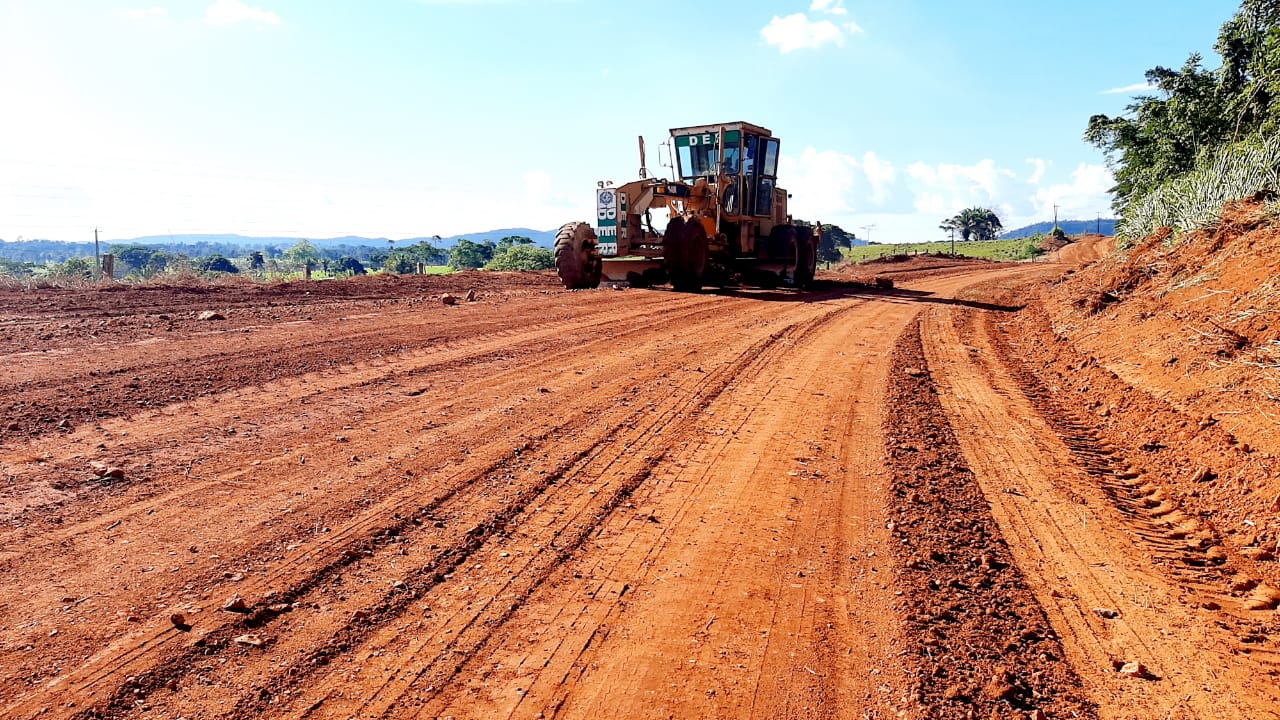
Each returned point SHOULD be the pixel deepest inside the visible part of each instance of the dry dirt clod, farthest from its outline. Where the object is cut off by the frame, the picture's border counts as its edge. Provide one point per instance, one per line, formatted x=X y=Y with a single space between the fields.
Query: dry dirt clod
x=1134 y=670
x=447 y=299
x=235 y=604
x=250 y=640
x=179 y=621
x=999 y=687
x=114 y=473
x=1106 y=613
x=471 y=295
x=209 y=315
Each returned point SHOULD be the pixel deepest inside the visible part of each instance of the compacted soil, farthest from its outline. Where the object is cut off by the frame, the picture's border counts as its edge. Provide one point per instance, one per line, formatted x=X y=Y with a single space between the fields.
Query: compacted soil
x=350 y=499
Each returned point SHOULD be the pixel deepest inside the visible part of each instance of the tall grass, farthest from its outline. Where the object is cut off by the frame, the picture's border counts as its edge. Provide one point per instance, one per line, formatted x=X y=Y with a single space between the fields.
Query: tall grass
x=1195 y=200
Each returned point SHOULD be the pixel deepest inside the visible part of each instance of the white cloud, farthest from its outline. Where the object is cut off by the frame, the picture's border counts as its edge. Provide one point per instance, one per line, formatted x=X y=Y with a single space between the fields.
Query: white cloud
x=1085 y=195
x=798 y=32
x=946 y=188
x=1141 y=87
x=829 y=184
x=145 y=14
x=230 y=12
x=906 y=204
x=1038 y=174
x=834 y=7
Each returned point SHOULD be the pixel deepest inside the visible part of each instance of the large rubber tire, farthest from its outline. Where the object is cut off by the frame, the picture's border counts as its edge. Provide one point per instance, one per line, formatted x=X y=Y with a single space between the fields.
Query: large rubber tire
x=577 y=256
x=673 y=246
x=806 y=257
x=688 y=273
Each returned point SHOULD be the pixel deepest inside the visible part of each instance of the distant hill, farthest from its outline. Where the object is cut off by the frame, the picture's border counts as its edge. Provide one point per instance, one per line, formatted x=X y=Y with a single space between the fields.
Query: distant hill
x=1070 y=227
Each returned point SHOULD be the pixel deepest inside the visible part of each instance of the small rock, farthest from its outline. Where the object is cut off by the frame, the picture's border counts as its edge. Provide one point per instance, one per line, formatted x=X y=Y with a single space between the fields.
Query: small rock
x=211 y=315
x=250 y=640
x=114 y=473
x=954 y=692
x=999 y=688
x=1106 y=613
x=340 y=438
x=14 y=426
x=1259 y=554
x=235 y=604
x=179 y=620
x=1037 y=714
x=471 y=295
x=1134 y=670
x=448 y=299
x=913 y=372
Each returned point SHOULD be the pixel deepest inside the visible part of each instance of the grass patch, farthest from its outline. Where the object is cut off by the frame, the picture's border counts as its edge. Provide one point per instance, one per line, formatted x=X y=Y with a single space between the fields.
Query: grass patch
x=1020 y=249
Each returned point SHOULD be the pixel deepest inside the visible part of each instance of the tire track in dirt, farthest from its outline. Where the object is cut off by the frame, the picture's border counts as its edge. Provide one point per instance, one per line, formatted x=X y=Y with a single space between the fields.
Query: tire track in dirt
x=470 y=461
x=589 y=410
x=773 y=596
x=58 y=390
x=981 y=644
x=428 y=575
x=1116 y=590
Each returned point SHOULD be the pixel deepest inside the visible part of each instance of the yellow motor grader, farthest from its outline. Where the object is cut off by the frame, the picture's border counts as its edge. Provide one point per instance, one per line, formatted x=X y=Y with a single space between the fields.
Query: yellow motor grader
x=727 y=220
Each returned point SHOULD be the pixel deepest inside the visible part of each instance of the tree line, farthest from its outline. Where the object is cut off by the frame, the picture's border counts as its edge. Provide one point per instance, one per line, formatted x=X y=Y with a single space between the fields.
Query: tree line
x=1191 y=113
x=41 y=258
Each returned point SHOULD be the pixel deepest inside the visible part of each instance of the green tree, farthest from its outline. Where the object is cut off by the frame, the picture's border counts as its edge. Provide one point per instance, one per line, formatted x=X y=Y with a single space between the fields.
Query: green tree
x=1192 y=113
x=521 y=257
x=400 y=263
x=256 y=261
x=76 y=267
x=142 y=259
x=839 y=236
x=512 y=240
x=302 y=253
x=468 y=254
x=347 y=265
x=975 y=223
x=215 y=263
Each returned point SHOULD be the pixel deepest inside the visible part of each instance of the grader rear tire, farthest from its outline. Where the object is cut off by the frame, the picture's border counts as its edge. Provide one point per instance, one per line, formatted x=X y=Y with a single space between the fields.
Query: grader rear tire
x=687 y=274
x=673 y=246
x=577 y=257
x=806 y=257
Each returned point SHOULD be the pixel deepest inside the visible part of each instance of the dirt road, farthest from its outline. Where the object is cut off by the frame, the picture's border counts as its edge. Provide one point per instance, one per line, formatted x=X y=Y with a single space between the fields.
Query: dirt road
x=541 y=504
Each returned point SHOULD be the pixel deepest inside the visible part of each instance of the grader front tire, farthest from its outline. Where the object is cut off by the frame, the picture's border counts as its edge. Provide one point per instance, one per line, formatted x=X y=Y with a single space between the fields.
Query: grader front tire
x=577 y=256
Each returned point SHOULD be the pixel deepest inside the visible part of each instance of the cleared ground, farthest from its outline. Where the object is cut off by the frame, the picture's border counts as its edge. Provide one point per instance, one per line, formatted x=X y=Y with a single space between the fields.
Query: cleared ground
x=350 y=500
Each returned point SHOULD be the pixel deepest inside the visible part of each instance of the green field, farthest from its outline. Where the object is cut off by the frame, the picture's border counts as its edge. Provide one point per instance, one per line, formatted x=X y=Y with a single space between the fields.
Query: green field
x=989 y=249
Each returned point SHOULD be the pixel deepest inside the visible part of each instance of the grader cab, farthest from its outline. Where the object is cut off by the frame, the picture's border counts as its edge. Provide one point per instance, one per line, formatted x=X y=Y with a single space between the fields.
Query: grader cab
x=726 y=220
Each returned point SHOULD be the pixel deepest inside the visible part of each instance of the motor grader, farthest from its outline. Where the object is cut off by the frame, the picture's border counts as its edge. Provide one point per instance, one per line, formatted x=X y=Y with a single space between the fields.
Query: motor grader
x=726 y=220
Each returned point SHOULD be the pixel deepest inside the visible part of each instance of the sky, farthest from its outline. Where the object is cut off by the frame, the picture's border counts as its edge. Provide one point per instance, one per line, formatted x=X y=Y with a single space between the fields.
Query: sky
x=412 y=118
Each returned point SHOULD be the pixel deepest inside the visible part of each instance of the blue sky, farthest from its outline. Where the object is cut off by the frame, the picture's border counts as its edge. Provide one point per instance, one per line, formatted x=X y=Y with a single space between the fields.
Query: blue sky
x=404 y=118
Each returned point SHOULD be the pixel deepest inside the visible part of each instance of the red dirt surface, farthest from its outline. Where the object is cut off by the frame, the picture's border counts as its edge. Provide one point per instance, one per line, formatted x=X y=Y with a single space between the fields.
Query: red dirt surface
x=351 y=500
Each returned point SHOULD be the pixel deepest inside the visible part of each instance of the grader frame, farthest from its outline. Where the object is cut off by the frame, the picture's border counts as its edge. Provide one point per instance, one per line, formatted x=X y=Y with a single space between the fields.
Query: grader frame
x=727 y=219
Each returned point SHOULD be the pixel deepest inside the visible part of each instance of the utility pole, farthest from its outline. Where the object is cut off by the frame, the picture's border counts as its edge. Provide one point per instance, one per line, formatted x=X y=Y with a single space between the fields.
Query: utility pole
x=953 y=242
x=97 y=254
x=1055 y=216
x=1097 y=230
x=868 y=229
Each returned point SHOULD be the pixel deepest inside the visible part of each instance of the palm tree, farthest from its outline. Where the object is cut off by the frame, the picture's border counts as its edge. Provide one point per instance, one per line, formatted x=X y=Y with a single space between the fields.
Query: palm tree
x=975 y=223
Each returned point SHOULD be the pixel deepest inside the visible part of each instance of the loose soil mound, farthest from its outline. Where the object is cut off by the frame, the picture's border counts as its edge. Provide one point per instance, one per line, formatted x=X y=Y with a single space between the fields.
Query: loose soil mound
x=1084 y=249
x=981 y=645
x=1194 y=320
x=901 y=268
x=1173 y=352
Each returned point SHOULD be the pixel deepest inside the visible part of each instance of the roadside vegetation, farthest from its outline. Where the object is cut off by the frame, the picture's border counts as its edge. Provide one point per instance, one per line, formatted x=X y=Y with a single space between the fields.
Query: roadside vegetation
x=223 y=262
x=1021 y=249
x=1201 y=137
